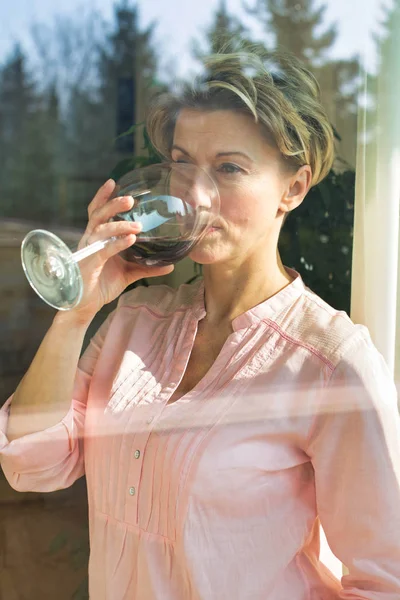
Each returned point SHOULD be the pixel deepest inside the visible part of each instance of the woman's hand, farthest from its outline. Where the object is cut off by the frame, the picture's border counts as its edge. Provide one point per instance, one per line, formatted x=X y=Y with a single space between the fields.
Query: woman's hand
x=105 y=274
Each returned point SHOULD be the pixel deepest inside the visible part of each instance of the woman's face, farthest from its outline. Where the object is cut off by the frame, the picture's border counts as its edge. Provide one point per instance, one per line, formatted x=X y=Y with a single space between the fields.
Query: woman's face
x=255 y=187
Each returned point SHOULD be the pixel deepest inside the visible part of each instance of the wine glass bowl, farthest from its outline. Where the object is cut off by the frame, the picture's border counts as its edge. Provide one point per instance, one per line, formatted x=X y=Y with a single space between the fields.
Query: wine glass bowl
x=176 y=203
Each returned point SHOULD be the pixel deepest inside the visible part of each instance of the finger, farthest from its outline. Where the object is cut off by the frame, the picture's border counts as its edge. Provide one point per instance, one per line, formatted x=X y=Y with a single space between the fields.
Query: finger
x=116 y=246
x=134 y=272
x=105 y=231
x=107 y=211
x=102 y=196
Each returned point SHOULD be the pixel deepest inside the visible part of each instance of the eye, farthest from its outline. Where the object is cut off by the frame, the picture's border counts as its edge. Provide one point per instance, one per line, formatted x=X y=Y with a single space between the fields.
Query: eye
x=179 y=158
x=229 y=168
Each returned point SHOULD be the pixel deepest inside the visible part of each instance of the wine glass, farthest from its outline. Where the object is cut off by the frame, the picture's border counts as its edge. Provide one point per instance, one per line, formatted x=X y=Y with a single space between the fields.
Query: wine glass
x=175 y=202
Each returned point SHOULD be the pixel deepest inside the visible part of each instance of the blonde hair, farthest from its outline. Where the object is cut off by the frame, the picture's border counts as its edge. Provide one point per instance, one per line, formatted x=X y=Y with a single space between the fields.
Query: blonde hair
x=275 y=88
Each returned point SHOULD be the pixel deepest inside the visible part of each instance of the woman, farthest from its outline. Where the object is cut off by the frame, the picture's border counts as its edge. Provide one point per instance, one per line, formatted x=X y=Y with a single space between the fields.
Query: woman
x=218 y=424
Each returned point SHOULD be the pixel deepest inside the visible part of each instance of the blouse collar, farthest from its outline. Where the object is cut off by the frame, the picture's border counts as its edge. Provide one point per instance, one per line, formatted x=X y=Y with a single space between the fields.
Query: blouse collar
x=269 y=309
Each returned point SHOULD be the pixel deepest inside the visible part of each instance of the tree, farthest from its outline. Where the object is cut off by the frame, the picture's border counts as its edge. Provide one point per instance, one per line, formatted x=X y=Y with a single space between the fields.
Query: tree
x=92 y=82
x=126 y=71
x=27 y=168
x=294 y=25
x=387 y=39
x=225 y=31
x=298 y=27
x=316 y=239
x=386 y=81
x=65 y=60
x=65 y=54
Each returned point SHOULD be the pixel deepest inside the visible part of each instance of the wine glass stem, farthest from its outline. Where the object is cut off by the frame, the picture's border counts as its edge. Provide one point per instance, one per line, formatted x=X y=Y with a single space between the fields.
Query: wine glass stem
x=91 y=249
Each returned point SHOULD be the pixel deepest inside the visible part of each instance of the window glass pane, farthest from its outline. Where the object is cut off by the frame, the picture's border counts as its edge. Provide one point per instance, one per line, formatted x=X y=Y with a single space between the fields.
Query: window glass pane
x=76 y=80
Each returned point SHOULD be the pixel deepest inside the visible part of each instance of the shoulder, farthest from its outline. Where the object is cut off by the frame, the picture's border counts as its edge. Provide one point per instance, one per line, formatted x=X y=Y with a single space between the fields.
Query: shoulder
x=160 y=300
x=326 y=332
x=142 y=309
x=358 y=376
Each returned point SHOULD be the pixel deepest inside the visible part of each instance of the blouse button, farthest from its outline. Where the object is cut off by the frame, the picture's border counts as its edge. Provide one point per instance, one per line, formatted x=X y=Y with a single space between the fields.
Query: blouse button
x=137 y=453
x=149 y=420
x=132 y=491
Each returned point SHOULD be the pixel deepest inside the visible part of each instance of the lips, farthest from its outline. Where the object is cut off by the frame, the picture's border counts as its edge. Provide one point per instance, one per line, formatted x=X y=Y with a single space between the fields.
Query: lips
x=215 y=226
x=212 y=230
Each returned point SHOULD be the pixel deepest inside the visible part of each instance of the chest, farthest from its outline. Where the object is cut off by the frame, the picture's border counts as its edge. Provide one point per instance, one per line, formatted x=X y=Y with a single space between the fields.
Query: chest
x=233 y=448
x=207 y=346
x=227 y=458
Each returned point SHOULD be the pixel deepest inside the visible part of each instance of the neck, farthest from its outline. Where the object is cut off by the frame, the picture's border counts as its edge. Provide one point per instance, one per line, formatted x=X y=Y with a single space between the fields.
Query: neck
x=232 y=291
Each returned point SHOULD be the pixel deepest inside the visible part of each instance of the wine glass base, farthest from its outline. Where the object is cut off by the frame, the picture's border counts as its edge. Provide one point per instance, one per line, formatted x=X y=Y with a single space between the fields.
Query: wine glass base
x=51 y=270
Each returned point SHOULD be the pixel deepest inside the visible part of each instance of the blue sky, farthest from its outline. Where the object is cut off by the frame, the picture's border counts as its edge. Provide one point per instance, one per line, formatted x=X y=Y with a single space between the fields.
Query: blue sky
x=182 y=20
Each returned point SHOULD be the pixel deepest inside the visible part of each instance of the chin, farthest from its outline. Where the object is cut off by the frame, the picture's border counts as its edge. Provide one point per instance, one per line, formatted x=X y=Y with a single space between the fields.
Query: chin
x=203 y=258
x=207 y=256
x=211 y=250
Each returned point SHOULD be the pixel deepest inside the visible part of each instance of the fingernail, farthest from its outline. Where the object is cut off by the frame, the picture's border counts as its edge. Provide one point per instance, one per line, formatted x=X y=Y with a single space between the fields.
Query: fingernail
x=109 y=181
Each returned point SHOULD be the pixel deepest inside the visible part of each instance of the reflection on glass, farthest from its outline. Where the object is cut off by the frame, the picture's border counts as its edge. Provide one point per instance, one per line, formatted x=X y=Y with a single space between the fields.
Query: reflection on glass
x=172 y=226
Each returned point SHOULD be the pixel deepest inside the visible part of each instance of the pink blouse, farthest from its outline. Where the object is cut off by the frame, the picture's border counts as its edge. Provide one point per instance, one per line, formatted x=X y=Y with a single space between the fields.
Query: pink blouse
x=220 y=494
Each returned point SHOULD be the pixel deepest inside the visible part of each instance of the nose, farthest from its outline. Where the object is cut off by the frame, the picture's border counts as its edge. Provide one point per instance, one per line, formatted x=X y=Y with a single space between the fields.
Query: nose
x=194 y=186
x=198 y=195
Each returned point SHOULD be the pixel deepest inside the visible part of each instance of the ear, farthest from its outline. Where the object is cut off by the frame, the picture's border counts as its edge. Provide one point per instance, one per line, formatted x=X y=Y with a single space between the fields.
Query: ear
x=295 y=190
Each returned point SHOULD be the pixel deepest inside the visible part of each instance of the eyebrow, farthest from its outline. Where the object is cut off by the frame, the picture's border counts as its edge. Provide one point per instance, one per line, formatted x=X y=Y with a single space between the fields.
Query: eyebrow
x=230 y=153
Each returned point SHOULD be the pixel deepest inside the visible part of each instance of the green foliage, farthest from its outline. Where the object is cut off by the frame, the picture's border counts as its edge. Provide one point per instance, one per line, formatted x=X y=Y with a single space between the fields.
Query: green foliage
x=27 y=119
x=125 y=56
x=225 y=31
x=296 y=27
x=149 y=157
x=317 y=238
x=39 y=144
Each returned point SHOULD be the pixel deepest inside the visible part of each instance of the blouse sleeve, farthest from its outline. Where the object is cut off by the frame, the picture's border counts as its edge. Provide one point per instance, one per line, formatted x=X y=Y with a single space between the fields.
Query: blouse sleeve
x=52 y=459
x=355 y=450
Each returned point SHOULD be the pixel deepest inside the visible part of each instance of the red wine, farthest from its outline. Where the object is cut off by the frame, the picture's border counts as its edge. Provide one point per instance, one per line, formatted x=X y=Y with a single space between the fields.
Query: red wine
x=156 y=251
x=160 y=244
